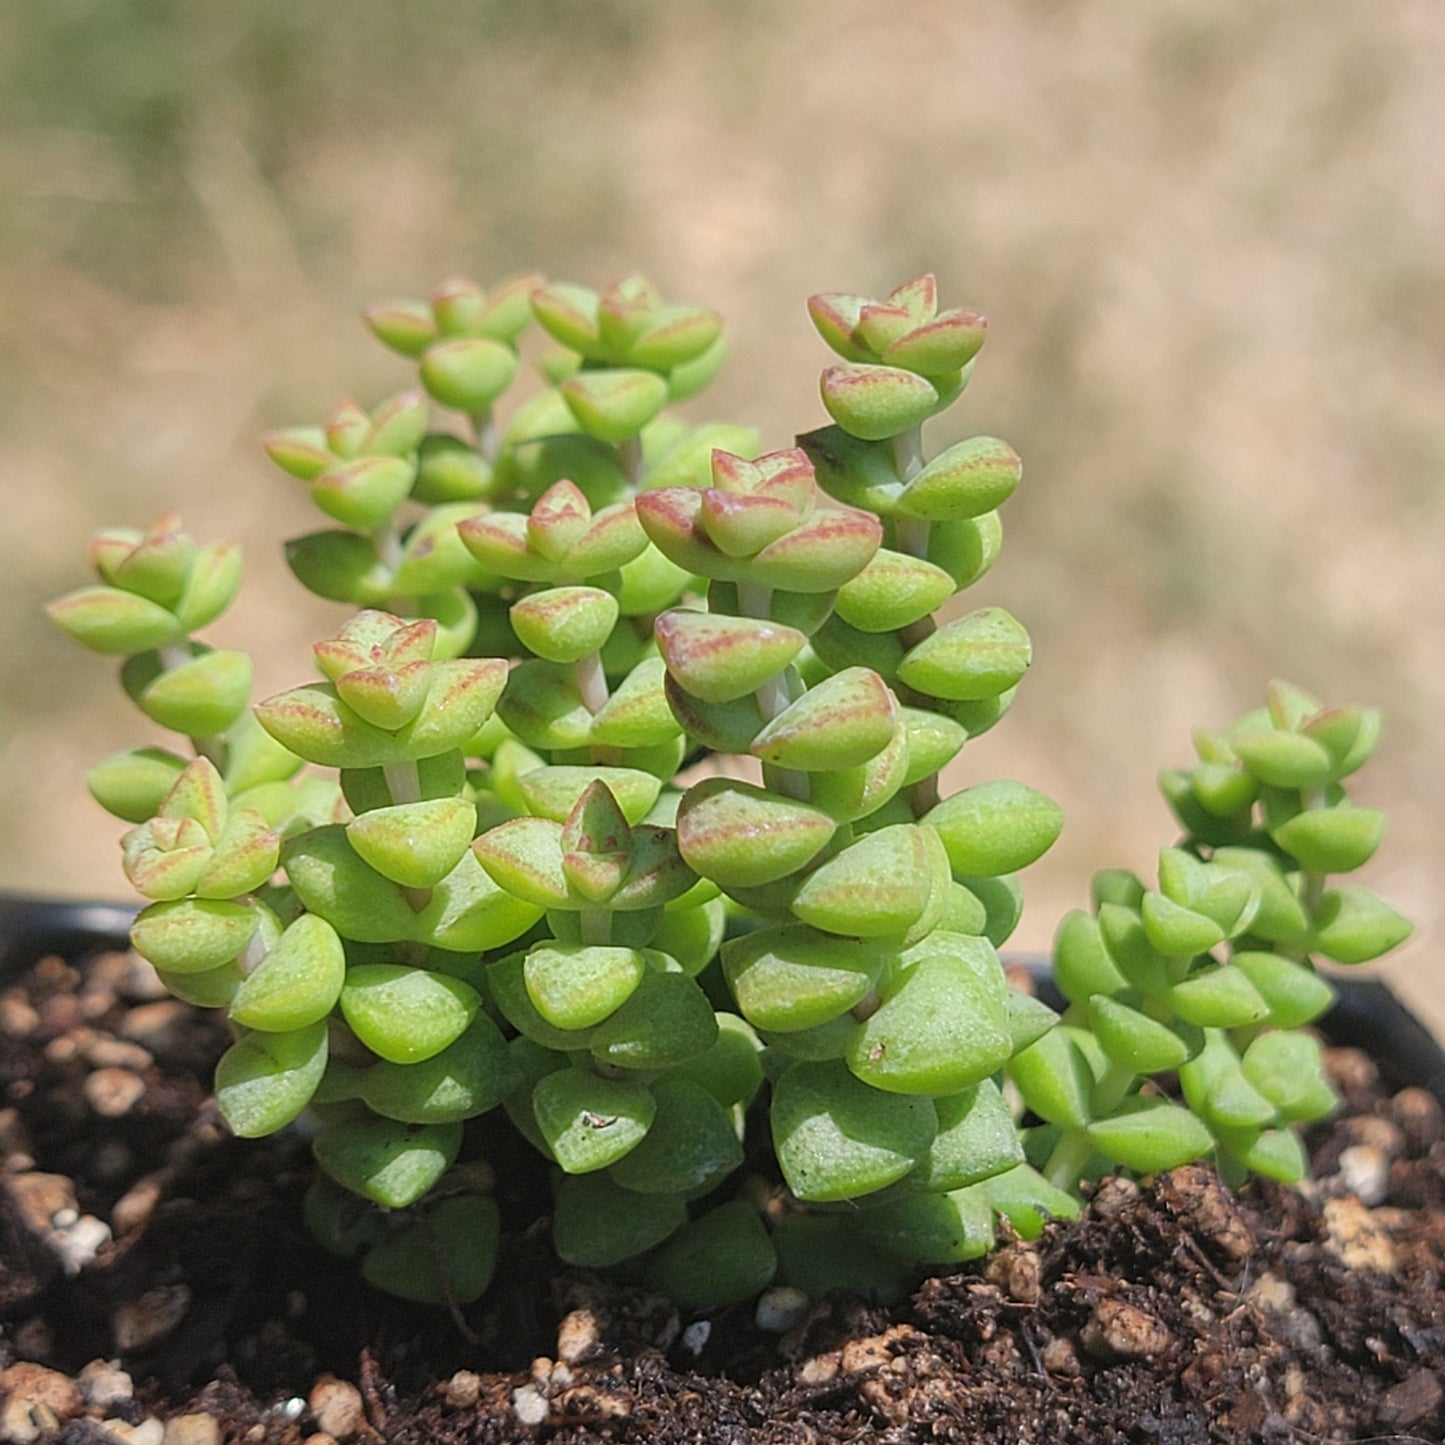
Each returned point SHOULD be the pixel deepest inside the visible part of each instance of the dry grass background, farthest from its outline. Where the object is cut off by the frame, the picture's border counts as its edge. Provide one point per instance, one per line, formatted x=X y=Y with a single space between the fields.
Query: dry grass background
x=1210 y=241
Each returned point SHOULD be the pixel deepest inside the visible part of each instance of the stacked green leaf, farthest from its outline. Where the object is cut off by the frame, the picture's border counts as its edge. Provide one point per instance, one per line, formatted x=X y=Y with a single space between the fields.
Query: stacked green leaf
x=874 y=979
x=1209 y=979
x=155 y=590
x=464 y=342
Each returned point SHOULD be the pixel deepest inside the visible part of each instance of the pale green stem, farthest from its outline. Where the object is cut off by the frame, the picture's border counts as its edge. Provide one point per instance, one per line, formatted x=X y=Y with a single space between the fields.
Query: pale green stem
x=489 y=444
x=867 y=1006
x=595 y=926
x=923 y=796
x=1231 y=1171
x=908 y=453
x=591 y=682
x=912 y=534
x=1312 y=885
x=786 y=782
x=914 y=633
x=773 y=696
x=403 y=782
x=1067 y=1161
x=1109 y=1092
x=343 y=1045
x=387 y=541
x=755 y=600
x=629 y=453
x=252 y=956
x=172 y=656
x=1072 y=1151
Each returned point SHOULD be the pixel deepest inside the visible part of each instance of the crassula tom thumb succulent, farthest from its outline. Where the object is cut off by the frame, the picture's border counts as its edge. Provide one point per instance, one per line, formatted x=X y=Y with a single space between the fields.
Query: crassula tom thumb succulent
x=616 y=808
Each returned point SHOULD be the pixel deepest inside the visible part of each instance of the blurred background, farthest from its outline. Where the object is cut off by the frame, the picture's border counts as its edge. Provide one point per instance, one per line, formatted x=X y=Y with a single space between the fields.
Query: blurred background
x=1210 y=242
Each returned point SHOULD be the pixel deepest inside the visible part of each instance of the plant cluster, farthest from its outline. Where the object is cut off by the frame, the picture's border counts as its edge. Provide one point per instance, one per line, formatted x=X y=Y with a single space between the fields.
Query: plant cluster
x=1207 y=977
x=504 y=884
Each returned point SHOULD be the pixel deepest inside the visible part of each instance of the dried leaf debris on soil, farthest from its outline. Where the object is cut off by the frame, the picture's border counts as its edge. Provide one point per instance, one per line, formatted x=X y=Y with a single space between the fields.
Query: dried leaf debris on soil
x=156 y=1288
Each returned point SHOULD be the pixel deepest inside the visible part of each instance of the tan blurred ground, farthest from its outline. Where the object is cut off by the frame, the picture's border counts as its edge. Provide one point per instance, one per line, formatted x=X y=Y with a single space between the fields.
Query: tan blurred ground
x=1210 y=241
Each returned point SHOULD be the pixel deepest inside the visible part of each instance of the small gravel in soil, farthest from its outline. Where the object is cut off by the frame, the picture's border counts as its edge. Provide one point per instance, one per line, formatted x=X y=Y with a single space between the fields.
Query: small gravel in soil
x=156 y=1288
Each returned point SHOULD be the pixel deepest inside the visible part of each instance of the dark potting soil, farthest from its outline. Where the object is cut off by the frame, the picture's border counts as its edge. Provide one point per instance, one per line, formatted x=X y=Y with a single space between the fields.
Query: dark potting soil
x=156 y=1288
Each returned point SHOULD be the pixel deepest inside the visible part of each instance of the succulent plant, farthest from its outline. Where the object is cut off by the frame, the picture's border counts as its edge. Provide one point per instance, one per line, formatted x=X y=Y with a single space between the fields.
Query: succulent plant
x=477 y=865
x=1208 y=977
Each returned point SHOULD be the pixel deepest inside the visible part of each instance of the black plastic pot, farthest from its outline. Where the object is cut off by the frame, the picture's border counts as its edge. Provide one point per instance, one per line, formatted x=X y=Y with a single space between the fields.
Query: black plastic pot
x=1367 y=1015
x=31 y=928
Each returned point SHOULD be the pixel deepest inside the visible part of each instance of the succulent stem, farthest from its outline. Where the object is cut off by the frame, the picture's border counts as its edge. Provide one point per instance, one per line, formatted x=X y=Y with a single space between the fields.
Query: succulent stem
x=912 y=532
x=629 y=453
x=773 y=696
x=1109 y=1092
x=867 y=1006
x=387 y=539
x=754 y=599
x=915 y=632
x=787 y=782
x=1231 y=1171
x=1072 y=1151
x=912 y=535
x=595 y=926
x=908 y=453
x=591 y=682
x=1067 y=1161
x=923 y=796
x=403 y=781
x=1314 y=883
x=489 y=443
x=252 y=956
